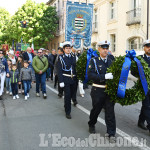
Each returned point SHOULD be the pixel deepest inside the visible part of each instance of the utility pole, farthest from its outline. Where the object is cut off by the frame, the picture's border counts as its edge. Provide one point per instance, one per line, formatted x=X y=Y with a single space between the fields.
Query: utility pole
x=147 y=19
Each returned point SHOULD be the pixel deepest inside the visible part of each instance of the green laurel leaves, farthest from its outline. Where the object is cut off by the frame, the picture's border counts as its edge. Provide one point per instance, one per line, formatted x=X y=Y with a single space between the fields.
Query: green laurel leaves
x=136 y=93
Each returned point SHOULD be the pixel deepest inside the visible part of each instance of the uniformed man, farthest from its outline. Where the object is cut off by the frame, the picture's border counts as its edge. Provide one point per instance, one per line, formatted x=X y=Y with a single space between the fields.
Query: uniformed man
x=145 y=110
x=97 y=73
x=73 y=54
x=67 y=77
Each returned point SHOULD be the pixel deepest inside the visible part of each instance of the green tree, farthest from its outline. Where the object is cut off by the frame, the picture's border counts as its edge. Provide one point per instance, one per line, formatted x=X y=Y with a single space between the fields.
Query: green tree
x=4 y=19
x=41 y=24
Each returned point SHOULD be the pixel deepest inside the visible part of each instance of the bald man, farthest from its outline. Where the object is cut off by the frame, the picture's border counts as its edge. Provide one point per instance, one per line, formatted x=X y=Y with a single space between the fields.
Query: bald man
x=28 y=56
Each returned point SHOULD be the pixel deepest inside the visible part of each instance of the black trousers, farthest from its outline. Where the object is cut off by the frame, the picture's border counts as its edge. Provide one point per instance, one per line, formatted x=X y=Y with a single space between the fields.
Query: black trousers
x=14 y=87
x=52 y=69
x=145 y=111
x=69 y=92
x=74 y=95
x=60 y=90
x=56 y=80
x=100 y=99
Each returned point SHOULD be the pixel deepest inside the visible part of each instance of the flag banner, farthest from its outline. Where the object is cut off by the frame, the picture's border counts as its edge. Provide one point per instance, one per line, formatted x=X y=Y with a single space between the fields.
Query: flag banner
x=18 y=46
x=5 y=46
x=24 y=46
x=79 y=23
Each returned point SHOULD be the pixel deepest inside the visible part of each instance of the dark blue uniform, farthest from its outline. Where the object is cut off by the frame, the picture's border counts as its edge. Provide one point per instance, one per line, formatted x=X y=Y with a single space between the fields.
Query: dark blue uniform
x=74 y=98
x=67 y=74
x=96 y=72
x=145 y=110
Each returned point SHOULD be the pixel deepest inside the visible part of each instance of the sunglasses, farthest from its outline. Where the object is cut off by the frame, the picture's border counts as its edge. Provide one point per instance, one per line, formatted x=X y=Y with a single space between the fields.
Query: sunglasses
x=40 y=52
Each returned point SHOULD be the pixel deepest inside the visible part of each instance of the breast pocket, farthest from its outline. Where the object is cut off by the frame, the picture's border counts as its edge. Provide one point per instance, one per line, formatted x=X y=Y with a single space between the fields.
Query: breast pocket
x=100 y=68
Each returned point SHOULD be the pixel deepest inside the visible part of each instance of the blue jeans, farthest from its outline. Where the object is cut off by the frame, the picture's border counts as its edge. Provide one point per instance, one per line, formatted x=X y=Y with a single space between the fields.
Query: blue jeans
x=27 y=86
x=14 y=87
x=8 y=84
x=40 y=78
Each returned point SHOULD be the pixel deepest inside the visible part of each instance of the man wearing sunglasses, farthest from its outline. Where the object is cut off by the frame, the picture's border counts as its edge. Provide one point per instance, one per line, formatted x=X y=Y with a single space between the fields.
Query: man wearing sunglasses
x=40 y=65
x=97 y=73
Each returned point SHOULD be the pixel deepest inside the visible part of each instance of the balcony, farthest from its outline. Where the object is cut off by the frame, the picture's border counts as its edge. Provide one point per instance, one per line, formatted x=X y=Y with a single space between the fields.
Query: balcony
x=134 y=16
x=95 y=27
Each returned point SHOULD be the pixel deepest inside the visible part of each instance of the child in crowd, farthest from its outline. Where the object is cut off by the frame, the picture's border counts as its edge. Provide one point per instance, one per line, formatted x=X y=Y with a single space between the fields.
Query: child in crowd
x=19 y=66
x=8 y=84
x=26 y=76
x=14 y=76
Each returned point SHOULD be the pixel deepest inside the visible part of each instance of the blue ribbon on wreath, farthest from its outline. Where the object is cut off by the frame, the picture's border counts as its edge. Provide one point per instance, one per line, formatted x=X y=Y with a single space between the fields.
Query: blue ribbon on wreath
x=90 y=53
x=125 y=71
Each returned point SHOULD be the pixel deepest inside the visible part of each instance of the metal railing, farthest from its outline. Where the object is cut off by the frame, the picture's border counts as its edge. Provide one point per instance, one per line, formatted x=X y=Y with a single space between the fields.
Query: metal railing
x=133 y=16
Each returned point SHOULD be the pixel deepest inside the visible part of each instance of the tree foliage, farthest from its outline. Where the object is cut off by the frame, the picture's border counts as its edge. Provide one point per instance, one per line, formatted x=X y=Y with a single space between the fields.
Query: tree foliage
x=4 y=19
x=41 y=24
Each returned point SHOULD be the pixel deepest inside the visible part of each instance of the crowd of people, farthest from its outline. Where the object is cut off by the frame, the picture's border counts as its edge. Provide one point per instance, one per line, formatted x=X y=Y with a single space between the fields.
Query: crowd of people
x=21 y=69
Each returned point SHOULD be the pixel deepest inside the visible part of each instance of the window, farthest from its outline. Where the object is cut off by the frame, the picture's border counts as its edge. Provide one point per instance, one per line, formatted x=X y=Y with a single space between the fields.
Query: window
x=95 y=18
x=113 y=42
x=58 y=5
x=112 y=10
x=62 y=23
x=136 y=4
x=135 y=43
x=63 y=4
x=58 y=26
x=55 y=46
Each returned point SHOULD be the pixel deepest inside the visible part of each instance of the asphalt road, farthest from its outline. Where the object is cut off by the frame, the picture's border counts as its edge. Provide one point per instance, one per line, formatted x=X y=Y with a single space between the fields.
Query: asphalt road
x=39 y=124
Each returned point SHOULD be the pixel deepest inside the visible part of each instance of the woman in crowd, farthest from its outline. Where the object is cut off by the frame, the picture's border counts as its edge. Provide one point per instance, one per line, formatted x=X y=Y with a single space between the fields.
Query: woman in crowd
x=4 y=71
x=8 y=84
x=11 y=56
x=20 y=64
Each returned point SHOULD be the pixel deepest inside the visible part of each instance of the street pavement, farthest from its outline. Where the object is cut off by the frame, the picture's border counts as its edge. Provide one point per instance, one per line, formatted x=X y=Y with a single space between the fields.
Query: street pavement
x=38 y=124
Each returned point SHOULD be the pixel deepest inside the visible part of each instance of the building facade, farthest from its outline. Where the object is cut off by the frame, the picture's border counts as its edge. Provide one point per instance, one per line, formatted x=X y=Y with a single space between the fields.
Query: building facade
x=122 y=22
x=61 y=12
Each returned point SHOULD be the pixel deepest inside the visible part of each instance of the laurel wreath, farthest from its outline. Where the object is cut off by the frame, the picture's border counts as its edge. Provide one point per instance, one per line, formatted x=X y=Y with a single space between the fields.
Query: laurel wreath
x=132 y=95
x=81 y=66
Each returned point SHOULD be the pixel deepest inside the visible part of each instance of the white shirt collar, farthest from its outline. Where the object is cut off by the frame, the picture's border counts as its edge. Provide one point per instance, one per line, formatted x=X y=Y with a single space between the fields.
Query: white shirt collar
x=147 y=56
x=68 y=55
x=104 y=58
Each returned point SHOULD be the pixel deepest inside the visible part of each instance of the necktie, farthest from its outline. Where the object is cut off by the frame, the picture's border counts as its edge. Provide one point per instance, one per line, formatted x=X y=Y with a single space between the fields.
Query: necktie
x=104 y=60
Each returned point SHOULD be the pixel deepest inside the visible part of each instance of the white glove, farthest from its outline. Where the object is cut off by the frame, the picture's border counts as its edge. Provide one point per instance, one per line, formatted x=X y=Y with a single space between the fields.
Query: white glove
x=108 y=76
x=61 y=84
